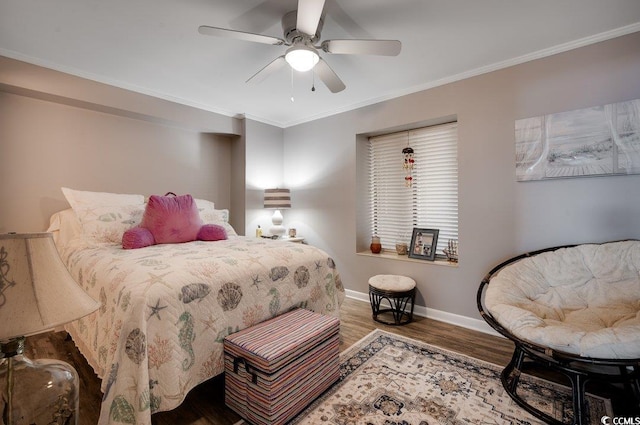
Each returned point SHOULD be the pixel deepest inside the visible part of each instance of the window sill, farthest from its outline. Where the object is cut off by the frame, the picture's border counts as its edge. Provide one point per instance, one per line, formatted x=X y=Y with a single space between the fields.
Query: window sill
x=391 y=255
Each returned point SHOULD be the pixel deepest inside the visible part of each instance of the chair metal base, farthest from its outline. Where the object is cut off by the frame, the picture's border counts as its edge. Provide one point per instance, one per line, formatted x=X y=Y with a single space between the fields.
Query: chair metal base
x=578 y=373
x=398 y=302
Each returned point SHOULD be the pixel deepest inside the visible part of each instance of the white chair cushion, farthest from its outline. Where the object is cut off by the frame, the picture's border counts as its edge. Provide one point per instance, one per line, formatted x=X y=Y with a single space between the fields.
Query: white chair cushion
x=583 y=300
x=392 y=283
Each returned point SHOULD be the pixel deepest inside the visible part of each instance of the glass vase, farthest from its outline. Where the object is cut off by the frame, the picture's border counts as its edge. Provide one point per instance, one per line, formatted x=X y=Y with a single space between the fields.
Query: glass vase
x=375 y=246
x=36 y=392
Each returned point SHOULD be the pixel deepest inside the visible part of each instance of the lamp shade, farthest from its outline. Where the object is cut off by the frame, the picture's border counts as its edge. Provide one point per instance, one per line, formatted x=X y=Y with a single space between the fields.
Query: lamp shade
x=277 y=198
x=37 y=293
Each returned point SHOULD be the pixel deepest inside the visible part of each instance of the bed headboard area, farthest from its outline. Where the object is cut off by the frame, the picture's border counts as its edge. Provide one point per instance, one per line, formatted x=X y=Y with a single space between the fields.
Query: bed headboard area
x=48 y=141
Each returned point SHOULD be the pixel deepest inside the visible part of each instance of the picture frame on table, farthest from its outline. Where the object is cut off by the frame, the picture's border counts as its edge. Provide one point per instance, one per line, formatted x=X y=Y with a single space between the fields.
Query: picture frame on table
x=423 y=244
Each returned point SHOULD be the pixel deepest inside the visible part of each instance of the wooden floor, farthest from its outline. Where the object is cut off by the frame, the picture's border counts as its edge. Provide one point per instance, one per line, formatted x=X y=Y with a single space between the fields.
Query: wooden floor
x=205 y=404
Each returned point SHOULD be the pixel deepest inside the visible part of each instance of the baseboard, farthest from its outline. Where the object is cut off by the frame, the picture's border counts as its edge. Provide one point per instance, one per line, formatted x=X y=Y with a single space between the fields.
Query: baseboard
x=441 y=316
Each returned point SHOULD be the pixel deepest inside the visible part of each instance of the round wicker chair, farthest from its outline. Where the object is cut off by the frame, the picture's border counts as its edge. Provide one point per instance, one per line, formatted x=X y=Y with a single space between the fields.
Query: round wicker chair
x=519 y=296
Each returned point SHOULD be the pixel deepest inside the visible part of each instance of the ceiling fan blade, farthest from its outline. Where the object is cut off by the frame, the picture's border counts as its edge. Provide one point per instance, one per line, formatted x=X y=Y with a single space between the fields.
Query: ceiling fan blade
x=309 y=13
x=328 y=77
x=272 y=67
x=239 y=35
x=363 y=47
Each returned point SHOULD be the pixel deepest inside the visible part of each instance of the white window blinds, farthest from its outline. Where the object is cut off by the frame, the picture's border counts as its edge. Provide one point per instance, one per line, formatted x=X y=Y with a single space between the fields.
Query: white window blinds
x=432 y=201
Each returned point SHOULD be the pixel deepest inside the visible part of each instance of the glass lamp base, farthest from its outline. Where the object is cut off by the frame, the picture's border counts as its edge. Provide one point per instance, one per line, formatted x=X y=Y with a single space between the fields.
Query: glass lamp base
x=38 y=392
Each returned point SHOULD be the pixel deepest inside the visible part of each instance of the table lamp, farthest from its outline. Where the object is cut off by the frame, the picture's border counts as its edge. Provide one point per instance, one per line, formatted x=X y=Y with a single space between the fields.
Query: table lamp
x=277 y=199
x=37 y=294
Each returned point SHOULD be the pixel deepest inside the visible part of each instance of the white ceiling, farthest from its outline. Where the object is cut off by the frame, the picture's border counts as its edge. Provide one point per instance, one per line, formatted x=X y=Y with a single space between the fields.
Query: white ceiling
x=153 y=46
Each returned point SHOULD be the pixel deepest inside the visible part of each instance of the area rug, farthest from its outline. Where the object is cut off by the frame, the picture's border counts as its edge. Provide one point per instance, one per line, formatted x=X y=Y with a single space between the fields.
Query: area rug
x=387 y=379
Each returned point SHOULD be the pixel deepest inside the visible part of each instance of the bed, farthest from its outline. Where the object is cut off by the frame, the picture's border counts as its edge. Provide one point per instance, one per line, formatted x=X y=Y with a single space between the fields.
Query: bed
x=165 y=309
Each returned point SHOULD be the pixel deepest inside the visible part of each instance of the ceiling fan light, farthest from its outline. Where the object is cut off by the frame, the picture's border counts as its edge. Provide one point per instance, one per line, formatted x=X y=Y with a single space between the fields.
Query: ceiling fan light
x=302 y=58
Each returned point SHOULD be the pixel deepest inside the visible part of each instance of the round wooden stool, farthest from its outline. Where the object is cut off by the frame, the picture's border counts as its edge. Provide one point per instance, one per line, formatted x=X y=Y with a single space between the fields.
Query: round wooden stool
x=398 y=291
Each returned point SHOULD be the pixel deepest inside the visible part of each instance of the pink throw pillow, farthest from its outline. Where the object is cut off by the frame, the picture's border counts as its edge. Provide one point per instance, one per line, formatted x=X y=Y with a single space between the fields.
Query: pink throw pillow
x=137 y=237
x=172 y=219
x=212 y=232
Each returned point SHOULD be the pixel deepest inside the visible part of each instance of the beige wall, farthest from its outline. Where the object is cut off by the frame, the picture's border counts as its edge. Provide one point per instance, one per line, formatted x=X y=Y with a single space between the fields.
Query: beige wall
x=265 y=169
x=48 y=141
x=498 y=217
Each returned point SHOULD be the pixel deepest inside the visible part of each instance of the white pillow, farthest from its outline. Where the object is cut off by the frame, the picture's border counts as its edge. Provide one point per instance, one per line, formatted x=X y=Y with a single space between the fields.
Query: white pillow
x=105 y=216
x=107 y=224
x=210 y=215
x=64 y=226
x=203 y=204
x=85 y=199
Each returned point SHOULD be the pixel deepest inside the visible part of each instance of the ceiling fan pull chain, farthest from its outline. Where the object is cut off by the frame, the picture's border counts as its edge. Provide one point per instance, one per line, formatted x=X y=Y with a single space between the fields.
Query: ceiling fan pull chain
x=292 y=99
x=313 y=80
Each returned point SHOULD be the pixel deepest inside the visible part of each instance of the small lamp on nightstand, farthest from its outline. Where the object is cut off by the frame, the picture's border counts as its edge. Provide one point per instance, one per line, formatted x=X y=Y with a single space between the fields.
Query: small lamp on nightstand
x=37 y=294
x=277 y=199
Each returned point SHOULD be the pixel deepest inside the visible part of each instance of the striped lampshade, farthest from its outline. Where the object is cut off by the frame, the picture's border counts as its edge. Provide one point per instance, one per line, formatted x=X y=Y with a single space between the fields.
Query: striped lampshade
x=277 y=198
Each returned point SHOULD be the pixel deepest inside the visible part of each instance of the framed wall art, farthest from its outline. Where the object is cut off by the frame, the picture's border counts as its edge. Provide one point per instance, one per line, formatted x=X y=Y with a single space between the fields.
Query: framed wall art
x=596 y=141
x=423 y=244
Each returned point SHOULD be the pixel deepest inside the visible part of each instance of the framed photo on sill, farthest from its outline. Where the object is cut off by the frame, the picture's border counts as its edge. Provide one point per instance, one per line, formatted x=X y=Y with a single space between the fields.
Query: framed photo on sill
x=423 y=244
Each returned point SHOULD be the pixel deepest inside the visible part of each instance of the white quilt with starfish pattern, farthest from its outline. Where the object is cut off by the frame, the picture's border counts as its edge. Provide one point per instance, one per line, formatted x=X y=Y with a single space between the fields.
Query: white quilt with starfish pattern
x=166 y=309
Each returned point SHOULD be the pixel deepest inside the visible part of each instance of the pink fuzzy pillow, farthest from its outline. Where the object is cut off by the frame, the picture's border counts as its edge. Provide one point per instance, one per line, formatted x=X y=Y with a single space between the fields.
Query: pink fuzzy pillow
x=137 y=237
x=172 y=219
x=212 y=232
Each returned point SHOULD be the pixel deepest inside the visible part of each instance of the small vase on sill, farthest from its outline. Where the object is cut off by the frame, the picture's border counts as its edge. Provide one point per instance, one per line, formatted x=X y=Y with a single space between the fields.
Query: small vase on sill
x=402 y=248
x=375 y=246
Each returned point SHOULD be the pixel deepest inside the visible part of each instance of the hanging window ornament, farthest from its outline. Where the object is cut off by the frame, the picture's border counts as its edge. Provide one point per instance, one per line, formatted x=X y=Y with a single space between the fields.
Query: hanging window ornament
x=408 y=165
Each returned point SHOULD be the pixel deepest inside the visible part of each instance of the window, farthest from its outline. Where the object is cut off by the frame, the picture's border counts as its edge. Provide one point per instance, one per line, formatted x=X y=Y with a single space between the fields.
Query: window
x=432 y=199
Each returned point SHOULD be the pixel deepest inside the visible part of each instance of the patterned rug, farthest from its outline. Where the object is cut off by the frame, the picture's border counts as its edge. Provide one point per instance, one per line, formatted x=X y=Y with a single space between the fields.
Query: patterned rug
x=387 y=379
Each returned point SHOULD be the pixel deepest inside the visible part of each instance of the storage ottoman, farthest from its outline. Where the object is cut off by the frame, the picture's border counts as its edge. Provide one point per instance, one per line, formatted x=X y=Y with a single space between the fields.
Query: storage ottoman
x=273 y=370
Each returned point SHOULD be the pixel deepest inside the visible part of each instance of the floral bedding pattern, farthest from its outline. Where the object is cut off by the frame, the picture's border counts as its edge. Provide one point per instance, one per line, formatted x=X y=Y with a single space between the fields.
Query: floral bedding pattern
x=166 y=309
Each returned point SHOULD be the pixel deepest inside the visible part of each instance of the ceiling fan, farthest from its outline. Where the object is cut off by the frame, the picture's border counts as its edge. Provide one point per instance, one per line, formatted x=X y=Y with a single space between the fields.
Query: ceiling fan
x=302 y=29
